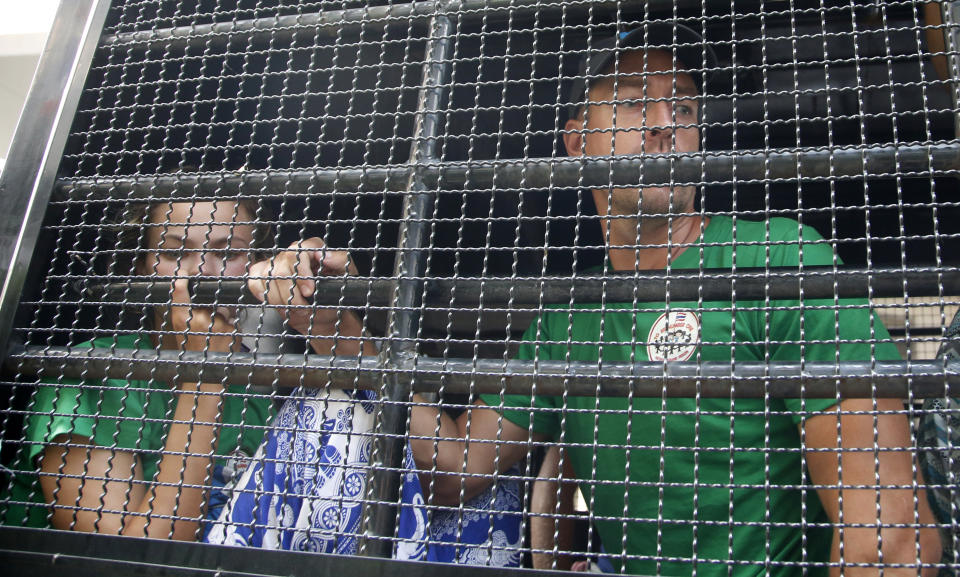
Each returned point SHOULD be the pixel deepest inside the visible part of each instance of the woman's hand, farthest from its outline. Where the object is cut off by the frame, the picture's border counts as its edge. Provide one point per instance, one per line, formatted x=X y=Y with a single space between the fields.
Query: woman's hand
x=286 y=282
x=200 y=328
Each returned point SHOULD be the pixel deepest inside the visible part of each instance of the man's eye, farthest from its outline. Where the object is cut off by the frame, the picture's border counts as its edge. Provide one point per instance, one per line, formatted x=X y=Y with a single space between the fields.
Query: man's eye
x=686 y=110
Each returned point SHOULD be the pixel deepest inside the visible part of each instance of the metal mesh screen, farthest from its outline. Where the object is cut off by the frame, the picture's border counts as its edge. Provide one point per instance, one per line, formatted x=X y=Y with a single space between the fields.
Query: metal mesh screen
x=642 y=287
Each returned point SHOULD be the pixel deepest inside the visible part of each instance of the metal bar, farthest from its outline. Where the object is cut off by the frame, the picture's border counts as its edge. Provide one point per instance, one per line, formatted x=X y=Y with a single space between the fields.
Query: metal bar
x=532 y=173
x=379 y=518
x=260 y=369
x=30 y=171
x=951 y=18
x=32 y=552
x=352 y=20
x=776 y=283
x=748 y=379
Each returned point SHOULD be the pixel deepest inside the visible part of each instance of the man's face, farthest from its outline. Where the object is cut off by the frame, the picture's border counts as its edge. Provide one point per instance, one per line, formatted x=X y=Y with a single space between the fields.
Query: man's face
x=661 y=118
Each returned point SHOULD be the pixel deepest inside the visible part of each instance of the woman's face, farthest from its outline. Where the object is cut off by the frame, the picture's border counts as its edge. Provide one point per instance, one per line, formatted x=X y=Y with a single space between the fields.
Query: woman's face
x=196 y=238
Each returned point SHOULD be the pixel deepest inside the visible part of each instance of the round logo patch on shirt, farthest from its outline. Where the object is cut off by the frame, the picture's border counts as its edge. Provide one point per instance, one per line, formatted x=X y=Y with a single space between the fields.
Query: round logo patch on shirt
x=674 y=336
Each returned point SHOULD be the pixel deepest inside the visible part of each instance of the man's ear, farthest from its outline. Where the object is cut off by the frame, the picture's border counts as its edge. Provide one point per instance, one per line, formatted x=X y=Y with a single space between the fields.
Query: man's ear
x=573 y=136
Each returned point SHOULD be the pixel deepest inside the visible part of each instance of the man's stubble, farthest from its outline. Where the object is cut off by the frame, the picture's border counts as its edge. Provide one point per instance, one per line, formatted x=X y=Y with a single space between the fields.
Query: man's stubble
x=656 y=208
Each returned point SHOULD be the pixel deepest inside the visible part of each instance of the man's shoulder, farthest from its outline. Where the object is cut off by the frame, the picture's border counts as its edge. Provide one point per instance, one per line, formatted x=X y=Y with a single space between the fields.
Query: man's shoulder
x=782 y=228
x=776 y=241
x=777 y=232
x=776 y=228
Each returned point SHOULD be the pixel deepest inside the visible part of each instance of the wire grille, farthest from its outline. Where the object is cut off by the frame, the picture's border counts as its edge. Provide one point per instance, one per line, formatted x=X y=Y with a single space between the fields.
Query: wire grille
x=294 y=247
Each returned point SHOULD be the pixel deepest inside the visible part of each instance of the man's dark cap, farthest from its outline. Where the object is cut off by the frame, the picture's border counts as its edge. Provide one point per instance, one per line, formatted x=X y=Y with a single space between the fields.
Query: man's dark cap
x=693 y=55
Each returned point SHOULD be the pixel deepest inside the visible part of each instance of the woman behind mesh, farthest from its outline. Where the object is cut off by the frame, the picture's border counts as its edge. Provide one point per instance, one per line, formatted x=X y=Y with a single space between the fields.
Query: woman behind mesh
x=139 y=457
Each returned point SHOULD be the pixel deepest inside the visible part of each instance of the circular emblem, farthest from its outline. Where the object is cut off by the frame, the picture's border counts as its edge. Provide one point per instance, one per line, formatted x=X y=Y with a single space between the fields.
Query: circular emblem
x=353 y=484
x=304 y=541
x=674 y=336
x=329 y=517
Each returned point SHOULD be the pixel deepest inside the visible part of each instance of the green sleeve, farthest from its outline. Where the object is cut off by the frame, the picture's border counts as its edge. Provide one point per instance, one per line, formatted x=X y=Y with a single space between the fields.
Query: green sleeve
x=830 y=330
x=110 y=413
x=518 y=408
x=56 y=409
x=59 y=409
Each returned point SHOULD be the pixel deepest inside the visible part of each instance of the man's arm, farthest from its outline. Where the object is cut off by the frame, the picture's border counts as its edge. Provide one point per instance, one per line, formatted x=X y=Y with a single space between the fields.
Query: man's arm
x=551 y=523
x=887 y=461
x=465 y=452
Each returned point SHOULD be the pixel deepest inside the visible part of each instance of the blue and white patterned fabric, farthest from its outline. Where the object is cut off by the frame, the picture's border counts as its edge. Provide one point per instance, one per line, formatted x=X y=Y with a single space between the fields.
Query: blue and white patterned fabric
x=305 y=487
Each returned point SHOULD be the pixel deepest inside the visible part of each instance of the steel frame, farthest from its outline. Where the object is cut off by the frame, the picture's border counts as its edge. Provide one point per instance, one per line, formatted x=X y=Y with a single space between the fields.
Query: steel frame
x=409 y=373
x=399 y=370
x=28 y=177
x=917 y=161
x=407 y=288
x=776 y=283
x=35 y=551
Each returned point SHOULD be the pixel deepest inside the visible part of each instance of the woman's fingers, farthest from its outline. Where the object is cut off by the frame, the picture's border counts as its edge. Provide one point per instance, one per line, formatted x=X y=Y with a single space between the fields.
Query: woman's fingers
x=181 y=291
x=224 y=320
x=184 y=316
x=314 y=258
x=274 y=280
x=288 y=282
x=196 y=319
x=305 y=266
x=336 y=263
x=199 y=328
x=256 y=281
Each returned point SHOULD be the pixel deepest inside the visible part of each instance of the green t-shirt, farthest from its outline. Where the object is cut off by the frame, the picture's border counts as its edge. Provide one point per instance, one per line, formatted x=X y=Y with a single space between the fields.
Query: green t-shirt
x=716 y=467
x=115 y=413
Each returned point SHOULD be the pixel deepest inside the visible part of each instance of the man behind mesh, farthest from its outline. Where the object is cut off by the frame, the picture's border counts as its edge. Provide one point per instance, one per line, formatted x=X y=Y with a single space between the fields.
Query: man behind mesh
x=708 y=485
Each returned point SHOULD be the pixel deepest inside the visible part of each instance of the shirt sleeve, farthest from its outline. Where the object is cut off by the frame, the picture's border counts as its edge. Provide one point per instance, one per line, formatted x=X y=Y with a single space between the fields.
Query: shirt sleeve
x=62 y=408
x=88 y=409
x=518 y=409
x=821 y=330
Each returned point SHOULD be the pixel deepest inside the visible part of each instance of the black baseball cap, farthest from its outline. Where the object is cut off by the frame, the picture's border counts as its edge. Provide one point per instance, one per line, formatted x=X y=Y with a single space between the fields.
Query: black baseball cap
x=691 y=51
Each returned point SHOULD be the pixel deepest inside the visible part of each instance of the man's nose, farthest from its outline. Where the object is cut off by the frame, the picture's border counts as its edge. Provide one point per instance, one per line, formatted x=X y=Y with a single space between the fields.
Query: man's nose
x=658 y=127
